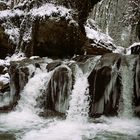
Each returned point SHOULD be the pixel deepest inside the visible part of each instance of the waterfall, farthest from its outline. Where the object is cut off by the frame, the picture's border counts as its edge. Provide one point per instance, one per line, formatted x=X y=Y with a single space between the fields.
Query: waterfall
x=79 y=103
x=126 y=104
x=33 y=89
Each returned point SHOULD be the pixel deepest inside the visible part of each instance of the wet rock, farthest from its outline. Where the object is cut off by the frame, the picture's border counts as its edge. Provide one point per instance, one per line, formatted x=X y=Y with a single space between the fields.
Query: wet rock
x=137 y=88
x=4 y=86
x=57 y=38
x=15 y=83
x=58 y=90
x=2 y=69
x=105 y=86
x=92 y=48
x=53 y=65
x=135 y=49
x=18 y=79
x=50 y=114
x=7 y=136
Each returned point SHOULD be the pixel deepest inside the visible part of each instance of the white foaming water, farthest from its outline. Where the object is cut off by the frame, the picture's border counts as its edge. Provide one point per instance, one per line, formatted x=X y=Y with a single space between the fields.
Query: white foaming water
x=79 y=103
x=26 y=125
x=26 y=111
x=32 y=90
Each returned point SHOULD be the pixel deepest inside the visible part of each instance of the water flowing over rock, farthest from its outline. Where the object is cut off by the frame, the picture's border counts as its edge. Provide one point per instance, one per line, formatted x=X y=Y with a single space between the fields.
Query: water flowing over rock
x=58 y=90
x=108 y=78
x=61 y=77
x=113 y=87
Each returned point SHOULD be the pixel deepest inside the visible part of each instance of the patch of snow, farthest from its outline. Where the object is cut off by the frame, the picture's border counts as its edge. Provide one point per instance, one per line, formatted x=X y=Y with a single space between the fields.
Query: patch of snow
x=11 y=30
x=10 y=13
x=34 y=57
x=13 y=33
x=4 y=78
x=16 y=57
x=3 y=62
x=101 y=39
x=135 y=44
x=48 y=9
x=97 y=35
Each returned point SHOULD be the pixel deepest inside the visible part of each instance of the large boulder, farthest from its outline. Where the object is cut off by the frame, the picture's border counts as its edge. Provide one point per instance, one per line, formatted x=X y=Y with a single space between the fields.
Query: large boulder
x=19 y=75
x=47 y=29
x=54 y=98
x=114 y=86
x=57 y=38
x=51 y=32
x=58 y=91
x=105 y=85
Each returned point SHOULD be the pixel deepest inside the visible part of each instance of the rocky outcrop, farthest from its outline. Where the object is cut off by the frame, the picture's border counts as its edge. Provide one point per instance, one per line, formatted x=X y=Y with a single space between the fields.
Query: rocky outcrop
x=113 y=83
x=57 y=38
x=55 y=97
x=18 y=78
x=105 y=85
x=58 y=90
x=114 y=87
x=9 y=31
x=107 y=15
x=54 y=33
x=47 y=30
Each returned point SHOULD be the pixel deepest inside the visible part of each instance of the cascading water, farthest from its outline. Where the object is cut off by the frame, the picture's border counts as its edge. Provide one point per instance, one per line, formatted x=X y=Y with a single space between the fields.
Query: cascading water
x=26 y=112
x=25 y=124
x=33 y=89
x=126 y=104
x=79 y=104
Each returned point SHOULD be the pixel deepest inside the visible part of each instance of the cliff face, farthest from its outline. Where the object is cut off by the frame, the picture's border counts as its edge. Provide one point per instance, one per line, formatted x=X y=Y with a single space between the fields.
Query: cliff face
x=110 y=16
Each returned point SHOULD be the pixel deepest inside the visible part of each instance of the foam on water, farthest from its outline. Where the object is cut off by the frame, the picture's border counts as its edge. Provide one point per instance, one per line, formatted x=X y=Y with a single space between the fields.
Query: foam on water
x=27 y=125
x=79 y=103
x=69 y=130
x=25 y=114
x=126 y=105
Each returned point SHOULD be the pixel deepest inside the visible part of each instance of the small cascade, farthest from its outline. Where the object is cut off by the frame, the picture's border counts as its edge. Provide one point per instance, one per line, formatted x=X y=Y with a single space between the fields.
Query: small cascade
x=126 y=103
x=79 y=103
x=33 y=89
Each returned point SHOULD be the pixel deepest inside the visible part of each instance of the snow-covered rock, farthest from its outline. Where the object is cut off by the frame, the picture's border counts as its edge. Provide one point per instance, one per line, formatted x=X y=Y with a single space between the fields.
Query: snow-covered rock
x=133 y=49
x=100 y=43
